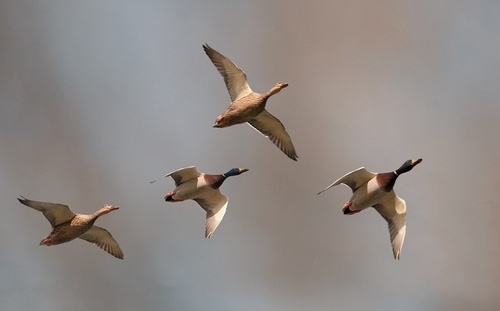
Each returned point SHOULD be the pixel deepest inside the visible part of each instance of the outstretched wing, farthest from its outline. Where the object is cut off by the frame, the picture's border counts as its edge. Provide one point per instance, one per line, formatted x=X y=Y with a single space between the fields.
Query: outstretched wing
x=215 y=206
x=182 y=175
x=234 y=77
x=393 y=210
x=353 y=179
x=102 y=238
x=269 y=126
x=55 y=213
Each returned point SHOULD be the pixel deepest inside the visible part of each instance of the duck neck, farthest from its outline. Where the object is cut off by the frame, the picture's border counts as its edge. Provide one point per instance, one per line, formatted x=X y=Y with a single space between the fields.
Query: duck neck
x=215 y=181
x=387 y=180
x=272 y=91
x=407 y=166
x=392 y=181
x=218 y=180
x=403 y=169
x=99 y=213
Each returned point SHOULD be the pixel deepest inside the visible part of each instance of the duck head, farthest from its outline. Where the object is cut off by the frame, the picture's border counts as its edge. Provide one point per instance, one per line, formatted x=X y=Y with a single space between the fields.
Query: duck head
x=106 y=208
x=276 y=88
x=407 y=166
x=235 y=171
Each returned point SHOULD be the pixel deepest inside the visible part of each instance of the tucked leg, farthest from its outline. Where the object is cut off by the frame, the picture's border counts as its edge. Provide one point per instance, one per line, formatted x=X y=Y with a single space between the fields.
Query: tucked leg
x=170 y=197
x=346 y=209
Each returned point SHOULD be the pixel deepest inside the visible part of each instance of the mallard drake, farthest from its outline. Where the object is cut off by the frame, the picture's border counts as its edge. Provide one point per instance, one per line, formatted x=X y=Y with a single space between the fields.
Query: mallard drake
x=372 y=189
x=204 y=189
x=248 y=106
x=67 y=226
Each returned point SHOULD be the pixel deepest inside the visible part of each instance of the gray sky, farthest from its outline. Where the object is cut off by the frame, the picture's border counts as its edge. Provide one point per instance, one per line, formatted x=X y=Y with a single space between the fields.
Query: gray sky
x=98 y=99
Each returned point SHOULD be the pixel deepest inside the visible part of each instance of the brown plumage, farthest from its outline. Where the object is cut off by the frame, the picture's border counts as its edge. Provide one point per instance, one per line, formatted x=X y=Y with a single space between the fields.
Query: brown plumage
x=67 y=226
x=248 y=106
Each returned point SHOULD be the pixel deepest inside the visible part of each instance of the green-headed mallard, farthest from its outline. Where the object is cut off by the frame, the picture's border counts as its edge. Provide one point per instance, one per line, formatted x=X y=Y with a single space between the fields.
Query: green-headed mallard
x=204 y=189
x=372 y=189
x=67 y=226
x=248 y=106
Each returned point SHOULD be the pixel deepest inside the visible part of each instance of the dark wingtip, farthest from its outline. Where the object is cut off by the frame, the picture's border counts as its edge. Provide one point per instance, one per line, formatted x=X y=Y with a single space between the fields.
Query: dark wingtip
x=293 y=156
x=22 y=199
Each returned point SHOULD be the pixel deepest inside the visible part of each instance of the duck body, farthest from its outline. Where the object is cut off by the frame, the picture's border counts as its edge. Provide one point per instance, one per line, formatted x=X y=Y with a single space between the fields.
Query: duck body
x=204 y=189
x=243 y=110
x=67 y=226
x=376 y=190
x=196 y=188
x=367 y=195
x=69 y=230
x=248 y=106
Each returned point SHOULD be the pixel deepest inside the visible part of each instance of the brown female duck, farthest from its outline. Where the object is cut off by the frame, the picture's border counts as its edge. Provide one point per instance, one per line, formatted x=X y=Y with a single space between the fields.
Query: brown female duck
x=248 y=106
x=67 y=226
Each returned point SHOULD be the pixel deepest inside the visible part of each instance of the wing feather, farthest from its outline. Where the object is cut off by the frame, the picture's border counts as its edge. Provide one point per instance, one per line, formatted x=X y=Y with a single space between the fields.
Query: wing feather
x=272 y=128
x=234 y=77
x=353 y=179
x=393 y=210
x=102 y=238
x=182 y=175
x=55 y=213
x=215 y=206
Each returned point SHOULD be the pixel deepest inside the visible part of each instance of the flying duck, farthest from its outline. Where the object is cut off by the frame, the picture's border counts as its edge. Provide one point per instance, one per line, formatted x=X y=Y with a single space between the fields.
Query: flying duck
x=67 y=226
x=248 y=106
x=376 y=190
x=204 y=189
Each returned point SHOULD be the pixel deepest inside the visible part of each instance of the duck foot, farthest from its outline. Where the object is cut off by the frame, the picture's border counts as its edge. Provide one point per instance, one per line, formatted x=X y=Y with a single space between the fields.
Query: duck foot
x=169 y=197
x=45 y=241
x=346 y=209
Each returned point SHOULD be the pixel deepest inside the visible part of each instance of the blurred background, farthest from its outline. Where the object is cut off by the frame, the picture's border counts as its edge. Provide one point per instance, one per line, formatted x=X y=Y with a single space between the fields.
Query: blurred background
x=99 y=98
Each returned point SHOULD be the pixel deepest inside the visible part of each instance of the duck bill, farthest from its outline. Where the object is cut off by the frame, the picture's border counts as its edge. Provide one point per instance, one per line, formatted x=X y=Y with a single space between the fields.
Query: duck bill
x=415 y=162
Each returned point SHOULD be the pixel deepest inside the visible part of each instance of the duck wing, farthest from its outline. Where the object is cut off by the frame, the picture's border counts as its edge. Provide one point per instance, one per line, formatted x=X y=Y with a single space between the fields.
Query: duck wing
x=353 y=179
x=102 y=238
x=182 y=175
x=234 y=77
x=393 y=210
x=269 y=126
x=55 y=213
x=215 y=206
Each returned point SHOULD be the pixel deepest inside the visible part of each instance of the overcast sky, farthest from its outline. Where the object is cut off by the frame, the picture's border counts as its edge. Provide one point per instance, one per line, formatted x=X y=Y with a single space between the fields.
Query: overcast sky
x=99 y=98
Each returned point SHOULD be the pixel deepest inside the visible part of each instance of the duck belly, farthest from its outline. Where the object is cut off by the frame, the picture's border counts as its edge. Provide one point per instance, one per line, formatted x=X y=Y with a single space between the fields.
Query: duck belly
x=65 y=233
x=366 y=196
x=192 y=189
x=242 y=110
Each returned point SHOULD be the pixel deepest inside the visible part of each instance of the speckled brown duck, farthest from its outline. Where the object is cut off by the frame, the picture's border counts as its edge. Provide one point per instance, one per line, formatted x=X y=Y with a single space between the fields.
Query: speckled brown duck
x=376 y=189
x=248 y=106
x=67 y=226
